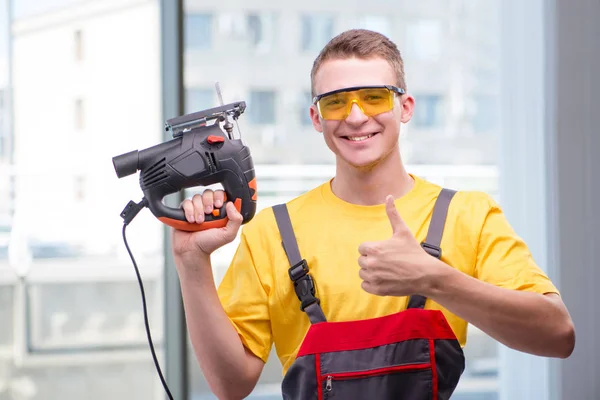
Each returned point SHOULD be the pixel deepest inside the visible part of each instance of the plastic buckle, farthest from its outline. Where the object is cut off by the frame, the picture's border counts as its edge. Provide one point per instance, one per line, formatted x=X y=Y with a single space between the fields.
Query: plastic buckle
x=298 y=271
x=305 y=290
x=432 y=250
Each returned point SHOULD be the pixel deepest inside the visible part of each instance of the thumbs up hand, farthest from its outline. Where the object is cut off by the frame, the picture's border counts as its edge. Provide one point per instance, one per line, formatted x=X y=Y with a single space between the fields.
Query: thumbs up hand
x=397 y=266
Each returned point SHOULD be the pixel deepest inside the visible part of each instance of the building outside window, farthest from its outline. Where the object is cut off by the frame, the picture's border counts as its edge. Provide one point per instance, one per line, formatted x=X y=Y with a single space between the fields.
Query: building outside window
x=317 y=30
x=261 y=107
x=429 y=111
x=198 y=31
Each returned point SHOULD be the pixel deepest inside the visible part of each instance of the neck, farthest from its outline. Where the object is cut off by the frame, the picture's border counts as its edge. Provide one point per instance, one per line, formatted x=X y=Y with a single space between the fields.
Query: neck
x=370 y=186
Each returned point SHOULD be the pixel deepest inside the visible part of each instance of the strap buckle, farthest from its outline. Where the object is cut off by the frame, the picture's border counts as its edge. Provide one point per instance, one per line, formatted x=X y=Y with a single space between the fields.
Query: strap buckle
x=304 y=285
x=298 y=271
x=432 y=250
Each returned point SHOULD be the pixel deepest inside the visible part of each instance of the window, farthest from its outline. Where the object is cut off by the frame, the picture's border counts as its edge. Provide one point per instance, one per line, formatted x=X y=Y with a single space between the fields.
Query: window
x=424 y=40
x=79 y=115
x=486 y=112
x=261 y=107
x=317 y=30
x=3 y=127
x=304 y=114
x=261 y=31
x=291 y=157
x=199 y=99
x=79 y=187
x=231 y=25
x=376 y=23
x=428 y=112
x=78 y=44
x=83 y=322
x=198 y=31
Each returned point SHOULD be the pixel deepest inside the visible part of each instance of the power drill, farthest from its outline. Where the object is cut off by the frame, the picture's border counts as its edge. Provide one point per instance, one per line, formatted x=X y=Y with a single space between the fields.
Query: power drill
x=201 y=153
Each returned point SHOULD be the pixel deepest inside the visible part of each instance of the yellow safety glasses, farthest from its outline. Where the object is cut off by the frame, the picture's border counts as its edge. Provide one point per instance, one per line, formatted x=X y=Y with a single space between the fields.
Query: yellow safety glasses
x=372 y=100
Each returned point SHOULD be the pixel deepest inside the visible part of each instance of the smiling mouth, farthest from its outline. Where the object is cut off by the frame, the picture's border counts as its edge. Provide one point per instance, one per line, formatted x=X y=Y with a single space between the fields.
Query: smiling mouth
x=359 y=138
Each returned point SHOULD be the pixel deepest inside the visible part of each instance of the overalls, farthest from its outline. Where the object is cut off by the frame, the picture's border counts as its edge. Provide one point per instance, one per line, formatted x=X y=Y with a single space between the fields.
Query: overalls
x=410 y=355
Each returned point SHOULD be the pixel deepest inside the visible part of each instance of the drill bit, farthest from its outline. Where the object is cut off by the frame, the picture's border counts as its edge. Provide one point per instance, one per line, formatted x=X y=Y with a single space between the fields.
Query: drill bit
x=228 y=125
x=219 y=95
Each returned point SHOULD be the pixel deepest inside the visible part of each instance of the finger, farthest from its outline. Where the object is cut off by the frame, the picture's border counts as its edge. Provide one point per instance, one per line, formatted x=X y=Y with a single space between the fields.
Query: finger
x=363 y=274
x=374 y=289
x=363 y=262
x=219 y=198
x=367 y=287
x=198 y=208
x=188 y=210
x=234 y=222
x=365 y=248
x=208 y=201
x=398 y=224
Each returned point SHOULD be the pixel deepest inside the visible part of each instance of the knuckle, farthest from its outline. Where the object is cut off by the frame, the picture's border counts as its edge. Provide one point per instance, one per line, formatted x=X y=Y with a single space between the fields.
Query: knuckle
x=365 y=262
x=372 y=249
x=376 y=279
x=207 y=195
x=375 y=249
x=197 y=200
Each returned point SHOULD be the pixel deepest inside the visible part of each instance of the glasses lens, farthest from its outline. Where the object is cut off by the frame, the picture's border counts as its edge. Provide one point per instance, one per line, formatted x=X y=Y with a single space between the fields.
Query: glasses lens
x=372 y=101
x=375 y=101
x=334 y=105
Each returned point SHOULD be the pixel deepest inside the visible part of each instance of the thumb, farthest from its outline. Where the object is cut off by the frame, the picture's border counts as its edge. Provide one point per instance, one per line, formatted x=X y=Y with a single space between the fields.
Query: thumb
x=393 y=215
x=234 y=220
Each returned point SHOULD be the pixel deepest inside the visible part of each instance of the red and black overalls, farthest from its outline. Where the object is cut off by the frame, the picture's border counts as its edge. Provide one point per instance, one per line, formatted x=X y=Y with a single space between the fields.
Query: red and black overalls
x=410 y=355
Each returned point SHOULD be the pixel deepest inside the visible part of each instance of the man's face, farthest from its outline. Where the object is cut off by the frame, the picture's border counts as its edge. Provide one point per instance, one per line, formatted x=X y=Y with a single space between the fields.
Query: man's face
x=359 y=140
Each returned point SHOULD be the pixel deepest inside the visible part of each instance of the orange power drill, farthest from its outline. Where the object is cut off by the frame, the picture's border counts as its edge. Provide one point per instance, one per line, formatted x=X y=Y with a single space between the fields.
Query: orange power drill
x=201 y=153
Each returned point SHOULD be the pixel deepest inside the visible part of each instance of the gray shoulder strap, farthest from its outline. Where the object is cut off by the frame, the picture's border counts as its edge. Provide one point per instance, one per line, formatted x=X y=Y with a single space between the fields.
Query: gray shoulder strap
x=434 y=236
x=298 y=272
x=438 y=220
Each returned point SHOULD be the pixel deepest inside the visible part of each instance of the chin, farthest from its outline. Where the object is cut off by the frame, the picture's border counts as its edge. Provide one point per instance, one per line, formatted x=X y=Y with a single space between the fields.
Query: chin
x=361 y=163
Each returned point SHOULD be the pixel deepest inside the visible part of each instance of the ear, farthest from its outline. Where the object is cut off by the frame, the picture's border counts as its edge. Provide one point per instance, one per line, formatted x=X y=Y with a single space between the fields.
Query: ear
x=407 y=105
x=316 y=120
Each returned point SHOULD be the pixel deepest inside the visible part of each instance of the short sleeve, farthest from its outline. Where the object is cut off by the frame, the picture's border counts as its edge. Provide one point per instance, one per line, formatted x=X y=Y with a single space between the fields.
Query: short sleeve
x=504 y=259
x=245 y=301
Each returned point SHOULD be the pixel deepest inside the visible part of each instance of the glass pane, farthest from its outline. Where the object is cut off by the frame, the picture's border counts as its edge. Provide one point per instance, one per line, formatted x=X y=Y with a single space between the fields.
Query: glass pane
x=317 y=29
x=85 y=87
x=429 y=111
x=198 y=31
x=451 y=62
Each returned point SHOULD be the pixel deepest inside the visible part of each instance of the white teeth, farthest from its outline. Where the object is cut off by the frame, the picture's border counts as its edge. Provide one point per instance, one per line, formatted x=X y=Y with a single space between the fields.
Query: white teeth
x=359 y=138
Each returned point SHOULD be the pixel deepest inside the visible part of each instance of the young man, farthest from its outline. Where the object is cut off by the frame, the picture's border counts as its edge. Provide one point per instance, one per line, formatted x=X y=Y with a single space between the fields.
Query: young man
x=360 y=234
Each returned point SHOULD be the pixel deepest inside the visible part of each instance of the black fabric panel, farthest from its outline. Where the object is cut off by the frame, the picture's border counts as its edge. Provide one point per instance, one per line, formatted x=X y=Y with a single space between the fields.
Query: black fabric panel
x=450 y=364
x=408 y=352
x=415 y=385
x=300 y=381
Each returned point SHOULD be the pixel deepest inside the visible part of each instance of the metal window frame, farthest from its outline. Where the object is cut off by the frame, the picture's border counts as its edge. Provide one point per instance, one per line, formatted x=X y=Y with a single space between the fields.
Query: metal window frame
x=175 y=366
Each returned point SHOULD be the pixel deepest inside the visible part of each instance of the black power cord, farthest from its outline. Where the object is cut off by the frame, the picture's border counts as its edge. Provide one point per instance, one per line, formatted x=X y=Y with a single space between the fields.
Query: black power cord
x=128 y=214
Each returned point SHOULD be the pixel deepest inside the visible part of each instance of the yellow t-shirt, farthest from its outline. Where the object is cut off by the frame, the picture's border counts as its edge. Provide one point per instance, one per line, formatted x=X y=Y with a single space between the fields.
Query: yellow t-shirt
x=259 y=297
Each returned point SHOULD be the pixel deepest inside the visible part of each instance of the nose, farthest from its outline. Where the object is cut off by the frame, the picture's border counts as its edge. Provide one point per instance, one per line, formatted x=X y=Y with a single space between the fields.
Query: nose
x=356 y=115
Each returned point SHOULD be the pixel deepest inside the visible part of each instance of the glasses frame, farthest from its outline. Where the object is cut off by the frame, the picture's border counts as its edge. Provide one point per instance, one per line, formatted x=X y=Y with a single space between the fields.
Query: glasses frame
x=392 y=88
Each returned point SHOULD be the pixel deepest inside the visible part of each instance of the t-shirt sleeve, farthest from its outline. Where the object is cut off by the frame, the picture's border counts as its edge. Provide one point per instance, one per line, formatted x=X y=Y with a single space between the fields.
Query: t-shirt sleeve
x=504 y=259
x=245 y=301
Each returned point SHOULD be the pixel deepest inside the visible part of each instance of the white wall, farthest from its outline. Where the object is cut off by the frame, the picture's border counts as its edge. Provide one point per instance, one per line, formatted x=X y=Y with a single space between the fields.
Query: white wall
x=118 y=82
